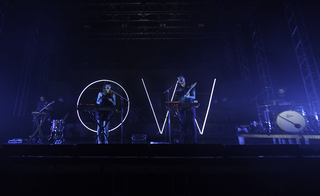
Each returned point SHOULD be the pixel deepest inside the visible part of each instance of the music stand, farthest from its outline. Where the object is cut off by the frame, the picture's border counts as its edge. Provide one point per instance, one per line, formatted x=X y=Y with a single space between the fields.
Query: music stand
x=168 y=110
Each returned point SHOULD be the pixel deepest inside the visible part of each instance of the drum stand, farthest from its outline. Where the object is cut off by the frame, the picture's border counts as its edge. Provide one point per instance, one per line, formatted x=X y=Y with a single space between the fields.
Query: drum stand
x=267 y=121
x=57 y=131
x=266 y=114
x=312 y=119
x=57 y=128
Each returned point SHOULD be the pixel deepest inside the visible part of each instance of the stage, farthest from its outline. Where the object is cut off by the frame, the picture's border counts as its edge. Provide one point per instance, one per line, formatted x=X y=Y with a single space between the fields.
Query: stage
x=159 y=169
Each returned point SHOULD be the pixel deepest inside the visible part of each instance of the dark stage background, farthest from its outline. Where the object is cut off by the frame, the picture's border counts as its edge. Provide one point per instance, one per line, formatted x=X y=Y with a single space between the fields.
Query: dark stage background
x=75 y=62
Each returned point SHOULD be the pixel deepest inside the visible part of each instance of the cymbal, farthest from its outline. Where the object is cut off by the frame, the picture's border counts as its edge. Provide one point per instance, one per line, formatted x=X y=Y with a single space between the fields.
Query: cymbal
x=273 y=102
x=300 y=104
x=260 y=106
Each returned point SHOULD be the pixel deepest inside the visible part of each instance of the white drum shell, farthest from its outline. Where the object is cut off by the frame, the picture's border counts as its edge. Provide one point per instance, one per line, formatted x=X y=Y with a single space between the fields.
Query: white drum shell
x=291 y=121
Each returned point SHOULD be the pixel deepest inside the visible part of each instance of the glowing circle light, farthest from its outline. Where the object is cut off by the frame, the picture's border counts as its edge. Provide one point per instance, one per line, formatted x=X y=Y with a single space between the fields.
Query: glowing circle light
x=103 y=80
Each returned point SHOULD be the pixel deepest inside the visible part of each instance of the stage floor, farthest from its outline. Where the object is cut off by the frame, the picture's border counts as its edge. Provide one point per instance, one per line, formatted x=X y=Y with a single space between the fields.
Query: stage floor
x=159 y=169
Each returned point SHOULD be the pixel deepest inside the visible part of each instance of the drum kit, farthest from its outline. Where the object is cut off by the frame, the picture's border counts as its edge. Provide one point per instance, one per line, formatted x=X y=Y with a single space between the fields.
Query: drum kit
x=277 y=116
x=57 y=128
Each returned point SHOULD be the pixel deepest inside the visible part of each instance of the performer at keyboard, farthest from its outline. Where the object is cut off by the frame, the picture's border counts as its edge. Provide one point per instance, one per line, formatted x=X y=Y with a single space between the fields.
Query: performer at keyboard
x=186 y=94
x=43 y=114
x=43 y=105
x=108 y=99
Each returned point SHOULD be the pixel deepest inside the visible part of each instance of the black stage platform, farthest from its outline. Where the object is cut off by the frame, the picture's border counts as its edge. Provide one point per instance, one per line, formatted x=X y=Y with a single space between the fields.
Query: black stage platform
x=159 y=169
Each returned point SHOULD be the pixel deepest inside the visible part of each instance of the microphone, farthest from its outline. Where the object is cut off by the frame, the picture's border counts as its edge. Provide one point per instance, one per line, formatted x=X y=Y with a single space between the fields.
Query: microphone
x=170 y=87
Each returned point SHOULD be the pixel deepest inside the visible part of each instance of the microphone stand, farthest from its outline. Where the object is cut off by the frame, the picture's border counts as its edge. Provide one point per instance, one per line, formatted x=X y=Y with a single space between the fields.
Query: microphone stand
x=167 y=91
x=121 y=98
x=119 y=95
x=169 y=121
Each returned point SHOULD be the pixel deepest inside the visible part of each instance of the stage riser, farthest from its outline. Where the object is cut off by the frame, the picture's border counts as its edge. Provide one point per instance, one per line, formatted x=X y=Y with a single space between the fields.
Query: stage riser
x=128 y=169
x=211 y=133
x=157 y=150
x=260 y=138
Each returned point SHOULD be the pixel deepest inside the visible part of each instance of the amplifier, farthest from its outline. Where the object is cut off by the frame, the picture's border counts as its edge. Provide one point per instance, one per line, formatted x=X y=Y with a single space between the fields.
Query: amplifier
x=15 y=141
x=139 y=138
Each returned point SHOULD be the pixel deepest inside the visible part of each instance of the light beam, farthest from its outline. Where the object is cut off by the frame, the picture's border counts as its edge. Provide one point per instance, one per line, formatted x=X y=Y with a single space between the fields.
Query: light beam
x=208 y=108
x=154 y=114
x=165 y=120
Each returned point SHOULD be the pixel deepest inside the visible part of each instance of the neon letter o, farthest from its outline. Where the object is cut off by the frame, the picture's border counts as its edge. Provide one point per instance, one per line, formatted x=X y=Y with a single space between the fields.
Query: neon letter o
x=102 y=80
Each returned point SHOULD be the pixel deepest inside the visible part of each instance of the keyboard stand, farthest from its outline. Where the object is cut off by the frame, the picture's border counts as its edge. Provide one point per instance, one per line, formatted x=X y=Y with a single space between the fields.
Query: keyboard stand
x=39 y=125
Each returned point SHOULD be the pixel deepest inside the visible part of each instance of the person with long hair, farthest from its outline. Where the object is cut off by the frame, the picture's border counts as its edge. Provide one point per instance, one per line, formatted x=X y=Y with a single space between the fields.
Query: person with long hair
x=106 y=98
x=186 y=94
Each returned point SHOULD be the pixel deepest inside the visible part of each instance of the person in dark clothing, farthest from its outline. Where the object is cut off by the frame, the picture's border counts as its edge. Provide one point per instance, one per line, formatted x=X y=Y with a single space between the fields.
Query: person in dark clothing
x=186 y=94
x=42 y=117
x=106 y=98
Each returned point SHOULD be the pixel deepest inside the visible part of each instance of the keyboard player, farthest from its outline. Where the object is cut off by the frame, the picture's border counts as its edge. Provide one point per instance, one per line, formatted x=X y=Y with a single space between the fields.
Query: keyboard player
x=106 y=98
x=186 y=94
x=42 y=118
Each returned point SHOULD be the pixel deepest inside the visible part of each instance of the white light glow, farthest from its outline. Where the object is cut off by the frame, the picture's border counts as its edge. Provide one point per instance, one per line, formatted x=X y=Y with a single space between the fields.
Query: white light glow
x=195 y=120
x=208 y=108
x=165 y=120
x=154 y=114
x=102 y=80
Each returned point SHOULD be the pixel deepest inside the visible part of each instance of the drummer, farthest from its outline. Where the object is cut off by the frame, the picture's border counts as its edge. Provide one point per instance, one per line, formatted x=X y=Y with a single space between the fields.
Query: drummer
x=280 y=98
x=281 y=93
x=277 y=105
